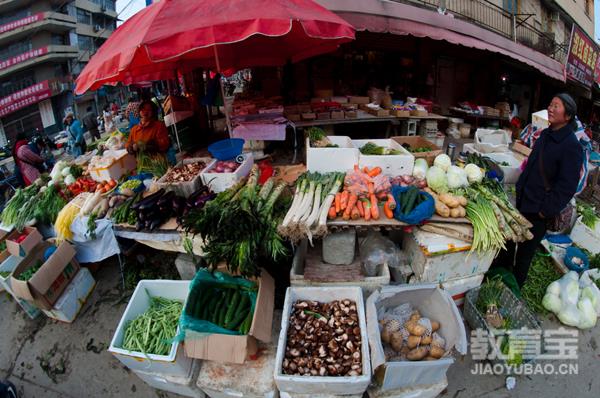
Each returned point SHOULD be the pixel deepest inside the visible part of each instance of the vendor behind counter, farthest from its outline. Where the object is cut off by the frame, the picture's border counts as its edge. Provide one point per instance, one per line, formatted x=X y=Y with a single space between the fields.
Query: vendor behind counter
x=150 y=135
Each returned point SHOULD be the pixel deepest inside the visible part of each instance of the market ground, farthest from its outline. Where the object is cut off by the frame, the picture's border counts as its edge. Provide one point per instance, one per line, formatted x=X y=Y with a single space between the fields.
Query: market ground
x=49 y=359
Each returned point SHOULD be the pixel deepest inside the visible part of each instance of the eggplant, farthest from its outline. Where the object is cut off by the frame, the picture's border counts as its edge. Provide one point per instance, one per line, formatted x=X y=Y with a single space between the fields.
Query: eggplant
x=156 y=223
x=200 y=191
x=148 y=201
x=201 y=201
x=167 y=198
x=178 y=203
x=139 y=226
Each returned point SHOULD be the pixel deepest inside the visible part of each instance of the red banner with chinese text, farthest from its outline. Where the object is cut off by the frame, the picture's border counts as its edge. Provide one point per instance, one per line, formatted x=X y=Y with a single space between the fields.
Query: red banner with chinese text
x=21 y=22
x=583 y=58
x=29 y=96
x=17 y=59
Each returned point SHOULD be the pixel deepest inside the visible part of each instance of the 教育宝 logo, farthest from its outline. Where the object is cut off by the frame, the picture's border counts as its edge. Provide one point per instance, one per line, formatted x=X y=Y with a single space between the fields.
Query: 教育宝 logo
x=525 y=352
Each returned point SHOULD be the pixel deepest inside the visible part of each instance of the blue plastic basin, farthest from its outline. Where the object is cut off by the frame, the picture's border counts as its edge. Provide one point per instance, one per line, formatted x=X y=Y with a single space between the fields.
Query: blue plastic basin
x=226 y=149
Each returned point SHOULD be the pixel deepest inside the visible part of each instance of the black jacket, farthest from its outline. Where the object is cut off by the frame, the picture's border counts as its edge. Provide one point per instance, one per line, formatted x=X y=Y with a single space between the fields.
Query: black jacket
x=562 y=160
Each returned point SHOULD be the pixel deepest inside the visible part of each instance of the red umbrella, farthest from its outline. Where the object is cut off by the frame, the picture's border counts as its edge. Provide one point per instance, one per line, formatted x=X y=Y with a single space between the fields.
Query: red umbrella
x=218 y=34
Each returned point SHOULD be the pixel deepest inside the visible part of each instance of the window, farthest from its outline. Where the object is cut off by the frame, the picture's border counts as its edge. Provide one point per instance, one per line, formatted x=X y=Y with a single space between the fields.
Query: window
x=13 y=16
x=85 y=43
x=84 y=16
x=511 y=6
x=59 y=40
x=589 y=7
x=14 y=49
x=17 y=82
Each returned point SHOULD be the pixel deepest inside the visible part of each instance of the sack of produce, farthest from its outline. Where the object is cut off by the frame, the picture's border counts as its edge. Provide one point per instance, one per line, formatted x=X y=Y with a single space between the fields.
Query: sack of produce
x=219 y=303
x=412 y=205
x=375 y=250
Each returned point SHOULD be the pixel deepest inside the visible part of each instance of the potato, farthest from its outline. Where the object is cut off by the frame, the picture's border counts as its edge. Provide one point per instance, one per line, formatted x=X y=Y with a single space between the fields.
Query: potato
x=455 y=213
x=435 y=325
x=385 y=335
x=415 y=328
x=397 y=341
x=449 y=200
x=426 y=340
x=462 y=200
x=436 y=352
x=417 y=354
x=430 y=358
x=442 y=209
x=413 y=341
x=415 y=316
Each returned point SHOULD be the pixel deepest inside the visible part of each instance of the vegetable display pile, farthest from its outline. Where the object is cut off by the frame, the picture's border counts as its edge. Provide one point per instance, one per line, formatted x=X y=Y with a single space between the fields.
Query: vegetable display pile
x=151 y=331
x=419 y=149
x=240 y=225
x=154 y=210
x=313 y=198
x=228 y=306
x=65 y=217
x=323 y=339
x=222 y=166
x=318 y=138
x=588 y=214
x=156 y=165
x=50 y=203
x=23 y=199
x=488 y=301
x=540 y=275
x=184 y=173
x=28 y=273
x=407 y=335
x=371 y=148
x=448 y=205
x=573 y=300
x=82 y=184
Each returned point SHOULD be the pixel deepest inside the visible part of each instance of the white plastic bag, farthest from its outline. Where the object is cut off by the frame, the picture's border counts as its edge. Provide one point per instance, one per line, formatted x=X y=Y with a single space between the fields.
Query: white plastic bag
x=376 y=249
x=587 y=280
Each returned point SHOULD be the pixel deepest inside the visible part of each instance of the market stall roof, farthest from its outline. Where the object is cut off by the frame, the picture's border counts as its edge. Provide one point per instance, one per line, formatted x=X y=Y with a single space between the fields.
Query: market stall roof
x=182 y=35
x=402 y=19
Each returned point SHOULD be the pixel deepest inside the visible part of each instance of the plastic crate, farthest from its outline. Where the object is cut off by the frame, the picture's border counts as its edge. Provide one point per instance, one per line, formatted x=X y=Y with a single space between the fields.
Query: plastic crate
x=226 y=149
x=518 y=312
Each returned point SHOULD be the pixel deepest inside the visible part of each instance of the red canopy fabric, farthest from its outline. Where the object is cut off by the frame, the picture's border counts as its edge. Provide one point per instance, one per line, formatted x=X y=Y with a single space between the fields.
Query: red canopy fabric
x=181 y=34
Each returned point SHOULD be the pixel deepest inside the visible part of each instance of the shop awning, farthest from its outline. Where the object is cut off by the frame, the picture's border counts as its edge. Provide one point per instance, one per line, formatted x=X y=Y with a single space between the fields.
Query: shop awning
x=402 y=19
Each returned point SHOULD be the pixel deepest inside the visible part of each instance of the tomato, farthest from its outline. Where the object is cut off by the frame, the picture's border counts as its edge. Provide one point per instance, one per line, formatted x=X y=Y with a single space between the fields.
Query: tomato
x=112 y=183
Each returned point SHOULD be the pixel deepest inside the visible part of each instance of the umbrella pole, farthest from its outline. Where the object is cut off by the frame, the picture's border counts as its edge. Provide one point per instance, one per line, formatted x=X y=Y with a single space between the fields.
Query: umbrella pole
x=174 y=123
x=227 y=117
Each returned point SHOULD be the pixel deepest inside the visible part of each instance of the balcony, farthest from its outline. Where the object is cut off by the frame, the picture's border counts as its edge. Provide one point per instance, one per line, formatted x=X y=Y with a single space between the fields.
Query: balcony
x=96 y=7
x=52 y=53
x=9 y=5
x=47 y=21
x=494 y=18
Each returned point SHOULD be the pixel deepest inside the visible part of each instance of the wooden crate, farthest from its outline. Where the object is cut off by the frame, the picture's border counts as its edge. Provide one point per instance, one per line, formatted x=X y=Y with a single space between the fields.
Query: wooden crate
x=417 y=142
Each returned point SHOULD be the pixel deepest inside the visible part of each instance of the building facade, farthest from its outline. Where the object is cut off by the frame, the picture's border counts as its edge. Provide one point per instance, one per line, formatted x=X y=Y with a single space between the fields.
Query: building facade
x=44 y=44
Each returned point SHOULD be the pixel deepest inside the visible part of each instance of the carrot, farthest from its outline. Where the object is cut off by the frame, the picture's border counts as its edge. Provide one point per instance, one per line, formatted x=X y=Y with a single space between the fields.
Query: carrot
x=374 y=208
x=371 y=188
x=367 y=205
x=338 y=201
x=381 y=195
x=355 y=213
x=388 y=212
x=332 y=213
x=356 y=168
x=344 y=200
x=361 y=209
x=391 y=201
x=375 y=171
x=365 y=170
x=351 y=203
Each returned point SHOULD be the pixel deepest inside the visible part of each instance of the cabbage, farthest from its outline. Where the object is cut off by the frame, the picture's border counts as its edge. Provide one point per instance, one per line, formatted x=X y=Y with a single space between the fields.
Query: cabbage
x=569 y=315
x=553 y=288
x=442 y=161
x=552 y=302
x=420 y=168
x=457 y=177
x=66 y=171
x=588 y=293
x=587 y=315
x=436 y=179
x=474 y=173
x=69 y=179
x=55 y=174
x=570 y=292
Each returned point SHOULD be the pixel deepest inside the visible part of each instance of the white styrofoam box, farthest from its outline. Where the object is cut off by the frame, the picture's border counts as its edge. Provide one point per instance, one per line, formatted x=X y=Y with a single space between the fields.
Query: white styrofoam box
x=391 y=165
x=284 y=394
x=8 y=263
x=414 y=391
x=488 y=140
x=585 y=237
x=325 y=160
x=71 y=301
x=433 y=303
x=236 y=394
x=173 y=364
x=368 y=284
x=437 y=258
x=458 y=288
x=511 y=172
x=184 y=188
x=185 y=386
x=220 y=182
x=322 y=384
x=123 y=163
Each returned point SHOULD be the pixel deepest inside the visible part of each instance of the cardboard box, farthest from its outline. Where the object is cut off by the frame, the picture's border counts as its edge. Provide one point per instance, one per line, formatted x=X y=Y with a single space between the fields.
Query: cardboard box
x=304 y=108
x=45 y=286
x=585 y=237
x=337 y=115
x=339 y=99
x=418 y=113
x=431 y=302
x=235 y=348
x=293 y=117
x=315 y=385
x=309 y=116
x=323 y=116
x=350 y=114
x=8 y=263
x=23 y=248
x=172 y=364
x=399 y=113
x=358 y=100
x=379 y=112
x=420 y=142
x=73 y=298
x=291 y=109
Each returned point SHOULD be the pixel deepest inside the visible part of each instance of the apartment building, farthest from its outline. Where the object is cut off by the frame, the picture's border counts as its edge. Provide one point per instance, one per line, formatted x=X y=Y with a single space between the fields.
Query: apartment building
x=44 y=44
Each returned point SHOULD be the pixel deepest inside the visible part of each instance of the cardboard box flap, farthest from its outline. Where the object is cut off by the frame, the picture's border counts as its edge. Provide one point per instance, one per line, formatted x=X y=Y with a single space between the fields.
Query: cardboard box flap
x=430 y=300
x=46 y=275
x=263 y=318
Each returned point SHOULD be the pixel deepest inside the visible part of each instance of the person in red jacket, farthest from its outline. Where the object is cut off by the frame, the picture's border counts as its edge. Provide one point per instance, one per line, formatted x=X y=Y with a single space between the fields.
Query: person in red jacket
x=29 y=163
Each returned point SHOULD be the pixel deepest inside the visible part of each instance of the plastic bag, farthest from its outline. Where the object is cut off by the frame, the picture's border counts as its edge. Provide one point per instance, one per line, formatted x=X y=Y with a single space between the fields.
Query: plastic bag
x=587 y=280
x=376 y=249
x=423 y=211
x=202 y=281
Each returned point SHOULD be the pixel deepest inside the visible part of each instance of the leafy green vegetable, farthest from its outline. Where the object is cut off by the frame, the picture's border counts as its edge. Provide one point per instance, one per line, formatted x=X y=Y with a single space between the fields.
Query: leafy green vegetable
x=319 y=139
x=4 y=274
x=155 y=164
x=371 y=148
x=541 y=274
x=587 y=213
x=49 y=205
x=489 y=294
x=13 y=213
x=28 y=273
x=91 y=225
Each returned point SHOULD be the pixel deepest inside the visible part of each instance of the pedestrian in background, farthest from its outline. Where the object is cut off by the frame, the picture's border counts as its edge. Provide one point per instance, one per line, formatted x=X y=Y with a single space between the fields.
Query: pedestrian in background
x=30 y=165
x=132 y=112
x=109 y=125
x=90 y=122
x=77 y=143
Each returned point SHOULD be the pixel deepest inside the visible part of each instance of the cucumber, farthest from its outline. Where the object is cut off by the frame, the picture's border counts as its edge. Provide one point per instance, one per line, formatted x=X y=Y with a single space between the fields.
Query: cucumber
x=232 y=307
x=245 y=328
x=240 y=314
x=410 y=202
x=213 y=311
x=223 y=308
x=202 y=302
x=190 y=308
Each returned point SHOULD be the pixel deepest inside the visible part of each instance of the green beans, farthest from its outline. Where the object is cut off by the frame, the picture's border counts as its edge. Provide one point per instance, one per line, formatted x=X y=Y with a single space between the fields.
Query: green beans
x=152 y=331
